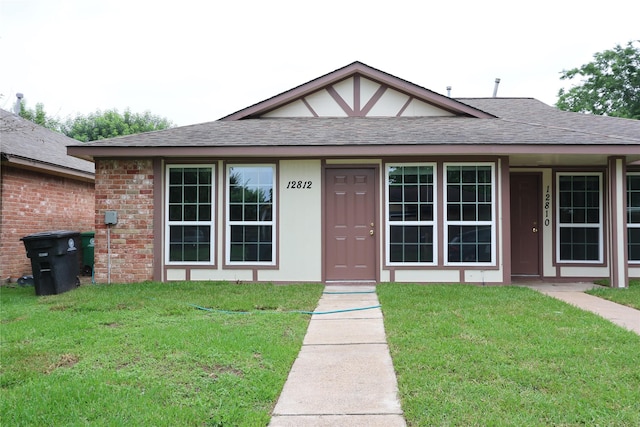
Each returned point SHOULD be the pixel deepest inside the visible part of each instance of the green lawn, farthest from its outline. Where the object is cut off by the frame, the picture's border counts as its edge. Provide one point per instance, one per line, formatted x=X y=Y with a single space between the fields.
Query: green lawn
x=180 y=354
x=627 y=296
x=144 y=355
x=507 y=356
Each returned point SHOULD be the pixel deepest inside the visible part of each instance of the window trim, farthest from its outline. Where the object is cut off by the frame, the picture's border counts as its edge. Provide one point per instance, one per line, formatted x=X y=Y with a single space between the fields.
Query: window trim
x=600 y=224
x=433 y=223
x=446 y=223
x=211 y=223
x=228 y=223
x=634 y=225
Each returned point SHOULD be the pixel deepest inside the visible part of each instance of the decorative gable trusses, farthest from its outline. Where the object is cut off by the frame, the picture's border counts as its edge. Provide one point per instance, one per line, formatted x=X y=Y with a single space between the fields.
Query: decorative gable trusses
x=357 y=90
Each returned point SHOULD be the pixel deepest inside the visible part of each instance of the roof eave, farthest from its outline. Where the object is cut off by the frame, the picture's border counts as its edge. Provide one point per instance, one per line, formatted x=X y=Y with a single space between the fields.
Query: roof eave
x=288 y=151
x=30 y=164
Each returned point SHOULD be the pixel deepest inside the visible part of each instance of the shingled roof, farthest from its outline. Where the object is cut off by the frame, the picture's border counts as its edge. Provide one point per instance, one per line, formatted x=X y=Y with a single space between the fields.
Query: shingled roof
x=532 y=111
x=28 y=145
x=473 y=126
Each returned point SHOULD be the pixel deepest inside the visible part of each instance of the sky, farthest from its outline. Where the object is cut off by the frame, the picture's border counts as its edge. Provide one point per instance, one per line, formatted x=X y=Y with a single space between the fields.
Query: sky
x=194 y=61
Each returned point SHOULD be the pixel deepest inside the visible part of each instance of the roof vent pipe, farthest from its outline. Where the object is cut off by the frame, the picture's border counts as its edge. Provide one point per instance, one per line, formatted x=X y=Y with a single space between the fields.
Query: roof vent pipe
x=495 y=88
x=16 y=108
x=449 y=91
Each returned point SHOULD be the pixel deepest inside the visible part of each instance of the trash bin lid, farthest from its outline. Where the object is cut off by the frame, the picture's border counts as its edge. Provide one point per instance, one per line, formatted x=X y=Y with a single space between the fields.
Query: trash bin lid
x=57 y=234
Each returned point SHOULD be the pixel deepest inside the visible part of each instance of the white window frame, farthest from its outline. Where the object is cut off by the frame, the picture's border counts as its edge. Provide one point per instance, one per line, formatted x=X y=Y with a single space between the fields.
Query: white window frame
x=431 y=223
x=600 y=224
x=210 y=223
x=229 y=223
x=447 y=223
x=632 y=224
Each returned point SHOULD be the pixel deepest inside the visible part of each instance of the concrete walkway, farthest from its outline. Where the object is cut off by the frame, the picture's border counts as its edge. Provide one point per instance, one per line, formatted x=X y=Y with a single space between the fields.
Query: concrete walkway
x=343 y=375
x=573 y=293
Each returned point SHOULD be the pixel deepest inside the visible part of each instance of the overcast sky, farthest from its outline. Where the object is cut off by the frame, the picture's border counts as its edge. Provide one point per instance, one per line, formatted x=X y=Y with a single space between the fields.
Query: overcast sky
x=193 y=61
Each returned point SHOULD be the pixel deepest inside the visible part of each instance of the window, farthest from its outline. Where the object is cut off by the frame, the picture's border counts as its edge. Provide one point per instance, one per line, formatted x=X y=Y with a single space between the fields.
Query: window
x=189 y=214
x=469 y=214
x=410 y=214
x=579 y=234
x=250 y=217
x=633 y=216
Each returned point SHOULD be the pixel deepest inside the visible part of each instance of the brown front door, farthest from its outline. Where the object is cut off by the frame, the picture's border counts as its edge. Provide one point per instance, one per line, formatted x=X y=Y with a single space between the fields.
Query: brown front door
x=350 y=218
x=525 y=224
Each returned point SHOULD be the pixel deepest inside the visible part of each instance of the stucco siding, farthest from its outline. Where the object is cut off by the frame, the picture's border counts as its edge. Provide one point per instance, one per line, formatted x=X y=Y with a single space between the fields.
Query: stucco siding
x=294 y=109
x=389 y=104
x=548 y=264
x=584 y=271
x=324 y=105
x=421 y=108
x=300 y=223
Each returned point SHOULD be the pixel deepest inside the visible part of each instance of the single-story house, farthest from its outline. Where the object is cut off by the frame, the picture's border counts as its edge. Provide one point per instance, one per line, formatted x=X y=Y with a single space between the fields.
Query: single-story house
x=41 y=189
x=359 y=175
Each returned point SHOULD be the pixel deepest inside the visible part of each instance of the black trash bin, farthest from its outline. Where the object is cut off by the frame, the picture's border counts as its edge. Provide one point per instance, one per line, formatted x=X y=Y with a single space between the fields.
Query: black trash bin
x=54 y=260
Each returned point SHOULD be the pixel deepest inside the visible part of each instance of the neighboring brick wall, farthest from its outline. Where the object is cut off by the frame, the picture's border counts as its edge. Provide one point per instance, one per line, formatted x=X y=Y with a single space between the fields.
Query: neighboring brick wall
x=125 y=186
x=33 y=202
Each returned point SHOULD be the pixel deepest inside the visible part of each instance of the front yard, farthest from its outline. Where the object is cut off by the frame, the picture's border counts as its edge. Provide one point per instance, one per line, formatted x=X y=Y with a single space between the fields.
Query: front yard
x=214 y=354
x=468 y=355
x=144 y=355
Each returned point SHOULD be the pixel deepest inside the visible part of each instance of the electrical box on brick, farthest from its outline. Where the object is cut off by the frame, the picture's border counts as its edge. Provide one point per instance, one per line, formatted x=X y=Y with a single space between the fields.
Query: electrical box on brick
x=110 y=217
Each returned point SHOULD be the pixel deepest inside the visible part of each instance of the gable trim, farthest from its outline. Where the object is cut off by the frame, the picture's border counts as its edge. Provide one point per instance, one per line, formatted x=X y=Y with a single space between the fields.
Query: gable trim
x=311 y=110
x=341 y=102
x=355 y=70
x=374 y=99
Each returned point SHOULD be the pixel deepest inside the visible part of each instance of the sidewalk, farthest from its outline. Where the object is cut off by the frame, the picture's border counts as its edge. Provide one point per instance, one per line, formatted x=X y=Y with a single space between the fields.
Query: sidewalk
x=343 y=375
x=573 y=293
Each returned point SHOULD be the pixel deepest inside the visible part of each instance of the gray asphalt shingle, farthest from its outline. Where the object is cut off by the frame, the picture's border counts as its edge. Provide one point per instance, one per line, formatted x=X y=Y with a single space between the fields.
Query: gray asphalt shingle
x=537 y=124
x=26 y=140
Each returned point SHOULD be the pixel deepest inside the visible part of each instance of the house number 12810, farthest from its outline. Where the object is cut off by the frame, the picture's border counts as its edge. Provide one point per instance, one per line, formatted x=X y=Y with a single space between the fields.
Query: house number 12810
x=299 y=184
x=547 y=202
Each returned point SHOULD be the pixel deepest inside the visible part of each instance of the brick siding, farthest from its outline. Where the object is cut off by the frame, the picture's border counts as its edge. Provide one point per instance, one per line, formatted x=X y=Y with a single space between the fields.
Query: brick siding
x=32 y=202
x=125 y=186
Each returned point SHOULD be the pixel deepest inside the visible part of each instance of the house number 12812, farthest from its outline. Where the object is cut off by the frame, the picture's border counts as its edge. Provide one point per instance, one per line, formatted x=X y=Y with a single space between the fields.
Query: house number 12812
x=299 y=184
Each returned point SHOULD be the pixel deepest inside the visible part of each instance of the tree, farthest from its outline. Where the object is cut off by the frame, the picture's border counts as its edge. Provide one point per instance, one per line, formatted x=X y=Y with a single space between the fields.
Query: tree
x=610 y=85
x=111 y=123
x=38 y=116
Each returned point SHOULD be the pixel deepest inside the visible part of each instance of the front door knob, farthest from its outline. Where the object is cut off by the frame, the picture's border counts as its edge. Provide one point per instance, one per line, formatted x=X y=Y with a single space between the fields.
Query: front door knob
x=371 y=232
